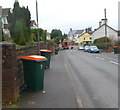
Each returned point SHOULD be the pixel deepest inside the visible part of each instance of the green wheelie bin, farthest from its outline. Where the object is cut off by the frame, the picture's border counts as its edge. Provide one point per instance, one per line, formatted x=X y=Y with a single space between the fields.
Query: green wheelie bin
x=33 y=67
x=115 y=50
x=47 y=54
x=56 y=51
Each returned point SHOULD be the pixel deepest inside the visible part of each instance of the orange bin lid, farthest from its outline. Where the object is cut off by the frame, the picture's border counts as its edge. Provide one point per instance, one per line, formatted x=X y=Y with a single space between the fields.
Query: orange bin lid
x=33 y=57
x=43 y=50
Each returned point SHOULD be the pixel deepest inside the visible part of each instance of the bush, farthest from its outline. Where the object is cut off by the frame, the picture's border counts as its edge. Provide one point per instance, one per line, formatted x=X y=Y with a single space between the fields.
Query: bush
x=51 y=42
x=104 y=45
x=5 y=37
x=102 y=40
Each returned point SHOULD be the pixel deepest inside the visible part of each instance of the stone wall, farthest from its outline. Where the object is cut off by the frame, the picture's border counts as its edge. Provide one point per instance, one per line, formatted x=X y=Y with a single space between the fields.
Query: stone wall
x=12 y=69
x=10 y=87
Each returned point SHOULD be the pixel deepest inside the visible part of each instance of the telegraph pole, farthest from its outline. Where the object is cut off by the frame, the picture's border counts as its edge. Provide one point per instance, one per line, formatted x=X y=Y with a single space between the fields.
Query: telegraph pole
x=105 y=23
x=0 y=23
x=37 y=27
x=105 y=28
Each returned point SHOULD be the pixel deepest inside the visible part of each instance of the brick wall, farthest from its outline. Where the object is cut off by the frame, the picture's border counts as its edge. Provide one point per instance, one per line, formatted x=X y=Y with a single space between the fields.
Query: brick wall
x=111 y=48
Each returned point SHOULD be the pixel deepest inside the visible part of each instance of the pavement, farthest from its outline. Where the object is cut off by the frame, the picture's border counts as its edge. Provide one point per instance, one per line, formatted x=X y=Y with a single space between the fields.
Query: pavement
x=58 y=91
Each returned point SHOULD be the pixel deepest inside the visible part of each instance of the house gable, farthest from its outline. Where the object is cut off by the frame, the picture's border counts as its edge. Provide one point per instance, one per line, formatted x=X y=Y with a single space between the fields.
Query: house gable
x=100 y=32
x=5 y=11
x=73 y=35
x=85 y=37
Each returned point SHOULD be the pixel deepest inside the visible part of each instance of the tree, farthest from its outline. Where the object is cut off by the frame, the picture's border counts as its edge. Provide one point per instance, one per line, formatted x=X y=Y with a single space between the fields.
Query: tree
x=20 y=32
x=64 y=36
x=42 y=34
x=57 y=35
x=19 y=24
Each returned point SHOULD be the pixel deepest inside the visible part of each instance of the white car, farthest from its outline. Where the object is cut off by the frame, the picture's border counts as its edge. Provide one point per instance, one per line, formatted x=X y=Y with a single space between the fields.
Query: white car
x=86 y=48
x=80 y=48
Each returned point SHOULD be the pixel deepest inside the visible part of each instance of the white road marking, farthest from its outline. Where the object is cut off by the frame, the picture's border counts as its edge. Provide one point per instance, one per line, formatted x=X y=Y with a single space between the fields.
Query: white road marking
x=114 y=62
x=100 y=58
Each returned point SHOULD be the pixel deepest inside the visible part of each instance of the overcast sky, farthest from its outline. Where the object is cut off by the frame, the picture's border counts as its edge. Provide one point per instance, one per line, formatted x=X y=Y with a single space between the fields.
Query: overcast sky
x=66 y=14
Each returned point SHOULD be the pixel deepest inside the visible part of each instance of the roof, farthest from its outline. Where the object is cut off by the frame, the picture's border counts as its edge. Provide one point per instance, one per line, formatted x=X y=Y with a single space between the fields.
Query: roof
x=5 y=11
x=33 y=23
x=102 y=26
x=76 y=32
x=79 y=31
x=83 y=34
x=72 y=32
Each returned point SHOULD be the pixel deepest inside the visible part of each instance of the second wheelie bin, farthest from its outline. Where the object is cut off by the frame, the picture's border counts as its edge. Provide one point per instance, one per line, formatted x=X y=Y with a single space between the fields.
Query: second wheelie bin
x=33 y=67
x=56 y=50
x=47 y=54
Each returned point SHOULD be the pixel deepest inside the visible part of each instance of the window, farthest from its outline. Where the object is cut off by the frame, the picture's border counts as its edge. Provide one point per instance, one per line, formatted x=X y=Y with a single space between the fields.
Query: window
x=91 y=38
x=84 y=38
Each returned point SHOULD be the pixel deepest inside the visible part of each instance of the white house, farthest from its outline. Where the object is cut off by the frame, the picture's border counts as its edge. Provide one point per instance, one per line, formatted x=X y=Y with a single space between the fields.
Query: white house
x=4 y=21
x=100 y=32
x=0 y=20
x=33 y=24
x=48 y=36
x=74 y=34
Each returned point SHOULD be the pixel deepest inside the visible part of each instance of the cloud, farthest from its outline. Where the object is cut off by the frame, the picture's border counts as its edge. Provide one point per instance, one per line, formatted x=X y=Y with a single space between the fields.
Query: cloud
x=66 y=14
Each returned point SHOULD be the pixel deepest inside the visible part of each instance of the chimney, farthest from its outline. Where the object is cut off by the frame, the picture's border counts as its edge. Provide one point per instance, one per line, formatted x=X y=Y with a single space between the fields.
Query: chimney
x=71 y=29
x=103 y=21
x=100 y=23
x=16 y=0
x=86 y=30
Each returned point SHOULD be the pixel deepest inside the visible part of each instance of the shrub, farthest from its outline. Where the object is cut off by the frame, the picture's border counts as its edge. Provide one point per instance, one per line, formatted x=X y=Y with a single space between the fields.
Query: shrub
x=102 y=40
x=51 y=42
x=104 y=45
x=5 y=37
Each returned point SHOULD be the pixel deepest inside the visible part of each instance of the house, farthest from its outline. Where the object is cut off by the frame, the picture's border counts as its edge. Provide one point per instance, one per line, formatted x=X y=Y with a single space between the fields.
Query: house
x=48 y=36
x=0 y=20
x=4 y=21
x=85 y=39
x=73 y=35
x=33 y=24
x=100 y=32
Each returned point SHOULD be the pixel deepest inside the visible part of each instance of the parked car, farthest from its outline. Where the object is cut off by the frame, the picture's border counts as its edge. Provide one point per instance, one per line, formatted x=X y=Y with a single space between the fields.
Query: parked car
x=93 y=49
x=80 y=48
x=72 y=47
x=86 y=48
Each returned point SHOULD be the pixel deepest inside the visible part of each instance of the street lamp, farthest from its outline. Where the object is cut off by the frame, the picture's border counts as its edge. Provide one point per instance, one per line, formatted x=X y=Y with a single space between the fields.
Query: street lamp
x=37 y=27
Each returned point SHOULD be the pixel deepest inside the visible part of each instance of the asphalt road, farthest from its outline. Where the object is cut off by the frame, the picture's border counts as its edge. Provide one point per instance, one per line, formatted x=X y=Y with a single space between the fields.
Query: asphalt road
x=94 y=78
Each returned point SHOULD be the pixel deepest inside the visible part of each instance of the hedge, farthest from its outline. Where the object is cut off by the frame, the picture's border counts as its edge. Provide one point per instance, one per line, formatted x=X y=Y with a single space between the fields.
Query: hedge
x=102 y=40
x=103 y=45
